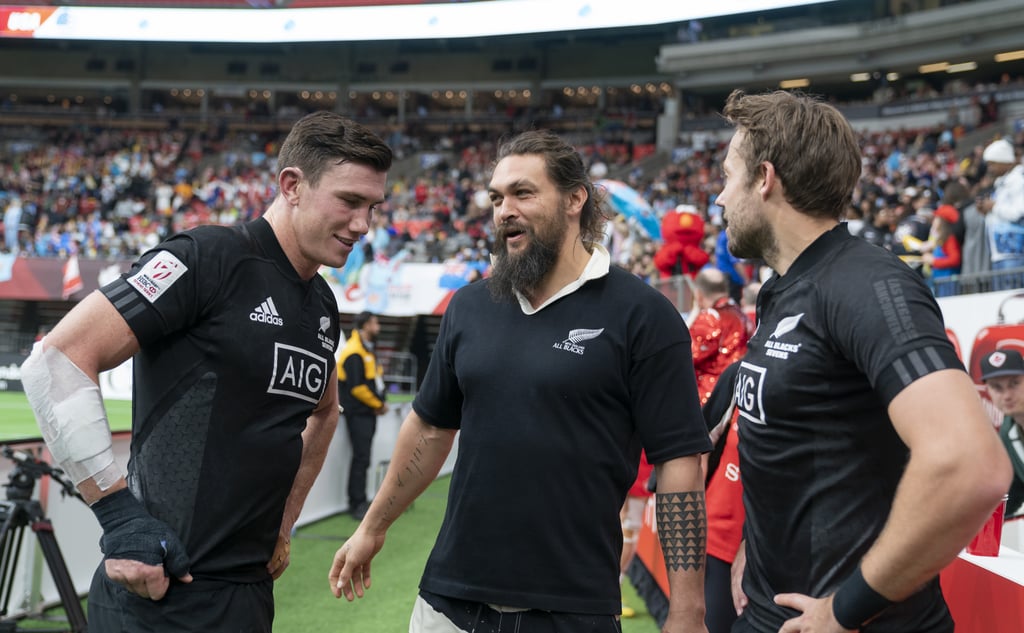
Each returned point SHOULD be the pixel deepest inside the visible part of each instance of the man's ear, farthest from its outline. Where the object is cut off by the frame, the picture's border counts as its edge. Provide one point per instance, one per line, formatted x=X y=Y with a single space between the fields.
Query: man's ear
x=768 y=178
x=288 y=183
x=576 y=199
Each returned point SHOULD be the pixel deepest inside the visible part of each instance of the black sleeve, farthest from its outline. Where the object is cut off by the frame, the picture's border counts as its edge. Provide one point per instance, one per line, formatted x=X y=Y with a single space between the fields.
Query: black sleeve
x=718 y=403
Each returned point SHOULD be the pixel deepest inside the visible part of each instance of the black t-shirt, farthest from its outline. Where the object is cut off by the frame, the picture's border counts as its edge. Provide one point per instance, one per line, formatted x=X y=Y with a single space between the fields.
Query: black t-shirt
x=236 y=351
x=553 y=409
x=841 y=334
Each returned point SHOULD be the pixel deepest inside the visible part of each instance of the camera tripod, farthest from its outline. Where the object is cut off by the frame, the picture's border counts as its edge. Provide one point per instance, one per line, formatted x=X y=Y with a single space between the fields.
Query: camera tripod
x=20 y=511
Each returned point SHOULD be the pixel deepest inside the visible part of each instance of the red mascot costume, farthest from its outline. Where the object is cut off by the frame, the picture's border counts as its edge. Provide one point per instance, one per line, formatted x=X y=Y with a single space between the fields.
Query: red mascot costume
x=682 y=232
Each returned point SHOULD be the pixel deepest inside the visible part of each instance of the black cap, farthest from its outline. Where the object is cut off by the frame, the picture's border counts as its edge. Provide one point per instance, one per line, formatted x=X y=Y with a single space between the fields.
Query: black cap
x=1002 y=362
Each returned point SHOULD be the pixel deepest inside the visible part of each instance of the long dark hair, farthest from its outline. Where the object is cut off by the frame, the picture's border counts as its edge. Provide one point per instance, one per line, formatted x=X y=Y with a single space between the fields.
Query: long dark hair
x=565 y=168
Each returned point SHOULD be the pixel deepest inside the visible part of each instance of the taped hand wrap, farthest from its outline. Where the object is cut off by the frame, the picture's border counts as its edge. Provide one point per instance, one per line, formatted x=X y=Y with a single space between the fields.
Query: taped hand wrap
x=129 y=532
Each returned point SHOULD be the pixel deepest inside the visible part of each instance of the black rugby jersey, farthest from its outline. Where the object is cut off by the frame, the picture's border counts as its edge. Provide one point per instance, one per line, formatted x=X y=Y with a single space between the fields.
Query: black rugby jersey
x=553 y=408
x=236 y=351
x=839 y=336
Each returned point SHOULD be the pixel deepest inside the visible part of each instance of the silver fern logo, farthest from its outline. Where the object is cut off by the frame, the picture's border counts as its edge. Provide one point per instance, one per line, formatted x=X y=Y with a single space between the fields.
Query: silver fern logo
x=778 y=349
x=572 y=343
x=786 y=325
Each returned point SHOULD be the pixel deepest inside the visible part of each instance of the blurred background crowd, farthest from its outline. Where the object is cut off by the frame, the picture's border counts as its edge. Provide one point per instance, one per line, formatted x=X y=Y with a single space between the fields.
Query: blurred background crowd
x=113 y=193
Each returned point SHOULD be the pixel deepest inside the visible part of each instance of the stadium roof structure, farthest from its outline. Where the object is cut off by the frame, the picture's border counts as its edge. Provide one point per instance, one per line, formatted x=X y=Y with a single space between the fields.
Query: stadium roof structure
x=366 y=22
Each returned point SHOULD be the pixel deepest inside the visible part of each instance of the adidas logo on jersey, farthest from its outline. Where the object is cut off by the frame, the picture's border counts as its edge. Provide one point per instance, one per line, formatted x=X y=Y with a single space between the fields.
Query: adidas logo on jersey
x=266 y=312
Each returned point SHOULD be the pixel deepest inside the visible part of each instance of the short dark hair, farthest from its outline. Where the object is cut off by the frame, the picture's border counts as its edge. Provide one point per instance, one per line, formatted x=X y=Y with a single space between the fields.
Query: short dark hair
x=565 y=168
x=809 y=143
x=362 y=318
x=323 y=138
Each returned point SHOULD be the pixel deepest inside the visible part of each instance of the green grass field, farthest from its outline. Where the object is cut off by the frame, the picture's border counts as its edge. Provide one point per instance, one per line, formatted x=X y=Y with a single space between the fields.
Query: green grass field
x=17 y=421
x=303 y=598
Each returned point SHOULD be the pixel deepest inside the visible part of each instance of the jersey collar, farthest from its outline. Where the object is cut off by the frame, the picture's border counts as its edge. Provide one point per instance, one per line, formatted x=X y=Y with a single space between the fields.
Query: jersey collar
x=598 y=266
x=271 y=247
x=812 y=256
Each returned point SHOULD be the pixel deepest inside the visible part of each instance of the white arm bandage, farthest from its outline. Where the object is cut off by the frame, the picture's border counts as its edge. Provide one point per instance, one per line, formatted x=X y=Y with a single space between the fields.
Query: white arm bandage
x=69 y=411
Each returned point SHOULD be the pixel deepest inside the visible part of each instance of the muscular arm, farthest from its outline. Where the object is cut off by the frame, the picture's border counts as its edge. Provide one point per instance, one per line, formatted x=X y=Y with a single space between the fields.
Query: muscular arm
x=316 y=438
x=682 y=530
x=957 y=473
x=419 y=453
x=61 y=378
x=95 y=337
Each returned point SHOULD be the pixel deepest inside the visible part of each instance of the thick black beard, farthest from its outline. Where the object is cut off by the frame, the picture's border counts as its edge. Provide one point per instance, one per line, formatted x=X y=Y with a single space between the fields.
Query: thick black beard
x=524 y=272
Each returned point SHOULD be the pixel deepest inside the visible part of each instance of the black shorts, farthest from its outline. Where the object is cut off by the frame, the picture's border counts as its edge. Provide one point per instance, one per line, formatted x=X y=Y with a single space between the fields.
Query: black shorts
x=198 y=607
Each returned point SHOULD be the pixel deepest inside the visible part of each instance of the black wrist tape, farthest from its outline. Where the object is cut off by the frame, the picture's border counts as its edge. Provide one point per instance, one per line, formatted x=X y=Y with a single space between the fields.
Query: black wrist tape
x=855 y=602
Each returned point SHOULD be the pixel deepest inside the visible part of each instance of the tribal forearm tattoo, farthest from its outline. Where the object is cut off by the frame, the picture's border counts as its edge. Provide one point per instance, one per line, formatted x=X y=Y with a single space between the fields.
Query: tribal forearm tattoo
x=682 y=529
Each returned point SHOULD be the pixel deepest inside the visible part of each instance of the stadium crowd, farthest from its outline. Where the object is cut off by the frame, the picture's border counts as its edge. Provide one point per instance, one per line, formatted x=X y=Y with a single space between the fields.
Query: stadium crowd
x=113 y=193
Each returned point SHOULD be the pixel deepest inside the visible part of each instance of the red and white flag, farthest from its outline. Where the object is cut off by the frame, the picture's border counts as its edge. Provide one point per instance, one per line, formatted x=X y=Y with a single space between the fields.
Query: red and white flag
x=72 y=277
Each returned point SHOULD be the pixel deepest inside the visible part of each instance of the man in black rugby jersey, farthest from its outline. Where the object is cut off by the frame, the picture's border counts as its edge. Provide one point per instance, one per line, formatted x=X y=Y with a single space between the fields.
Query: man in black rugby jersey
x=867 y=459
x=233 y=334
x=555 y=371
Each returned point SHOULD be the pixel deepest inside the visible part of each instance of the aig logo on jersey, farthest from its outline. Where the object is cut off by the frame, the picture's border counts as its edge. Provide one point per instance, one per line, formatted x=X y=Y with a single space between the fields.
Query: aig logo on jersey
x=749 y=392
x=298 y=373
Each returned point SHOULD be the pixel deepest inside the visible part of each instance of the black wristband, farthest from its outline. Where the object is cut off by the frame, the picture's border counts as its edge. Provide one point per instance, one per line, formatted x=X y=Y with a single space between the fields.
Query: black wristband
x=115 y=509
x=855 y=602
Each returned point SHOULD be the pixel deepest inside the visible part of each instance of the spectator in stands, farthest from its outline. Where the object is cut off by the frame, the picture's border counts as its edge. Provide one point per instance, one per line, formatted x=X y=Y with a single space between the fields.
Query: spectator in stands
x=719 y=332
x=941 y=253
x=362 y=394
x=232 y=332
x=551 y=301
x=879 y=230
x=1002 y=371
x=977 y=257
x=748 y=302
x=11 y=221
x=913 y=226
x=734 y=268
x=822 y=460
x=1005 y=212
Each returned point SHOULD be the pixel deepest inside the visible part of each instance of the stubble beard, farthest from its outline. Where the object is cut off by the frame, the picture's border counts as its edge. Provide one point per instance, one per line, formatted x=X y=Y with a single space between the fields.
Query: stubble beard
x=756 y=242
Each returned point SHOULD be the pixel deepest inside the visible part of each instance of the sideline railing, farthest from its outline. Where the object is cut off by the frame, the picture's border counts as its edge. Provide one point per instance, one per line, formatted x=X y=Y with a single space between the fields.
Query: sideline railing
x=991 y=281
x=400 y=372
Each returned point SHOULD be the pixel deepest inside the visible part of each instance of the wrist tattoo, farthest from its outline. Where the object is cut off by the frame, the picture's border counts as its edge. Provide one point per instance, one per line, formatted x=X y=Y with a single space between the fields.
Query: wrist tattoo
x=682 y=529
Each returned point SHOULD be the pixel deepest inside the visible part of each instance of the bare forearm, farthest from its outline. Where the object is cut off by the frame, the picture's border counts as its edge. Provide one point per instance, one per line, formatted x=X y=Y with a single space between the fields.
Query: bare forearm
x=682 y=531
x=315 y=441
x=935 y=512
x=419 y=453
x=958 y=471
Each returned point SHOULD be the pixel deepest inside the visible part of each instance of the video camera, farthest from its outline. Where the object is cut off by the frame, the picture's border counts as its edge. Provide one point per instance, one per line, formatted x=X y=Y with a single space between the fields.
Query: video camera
x=28 y=469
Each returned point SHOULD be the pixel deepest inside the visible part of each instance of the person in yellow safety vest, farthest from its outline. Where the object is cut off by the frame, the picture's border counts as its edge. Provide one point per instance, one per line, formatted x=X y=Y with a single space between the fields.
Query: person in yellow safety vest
x=361 y=392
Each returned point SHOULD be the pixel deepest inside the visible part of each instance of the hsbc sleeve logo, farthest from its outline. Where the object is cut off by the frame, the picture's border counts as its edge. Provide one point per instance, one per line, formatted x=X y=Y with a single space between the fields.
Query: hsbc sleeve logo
x=749 y=392
x=157 y=275
x=298 y=373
